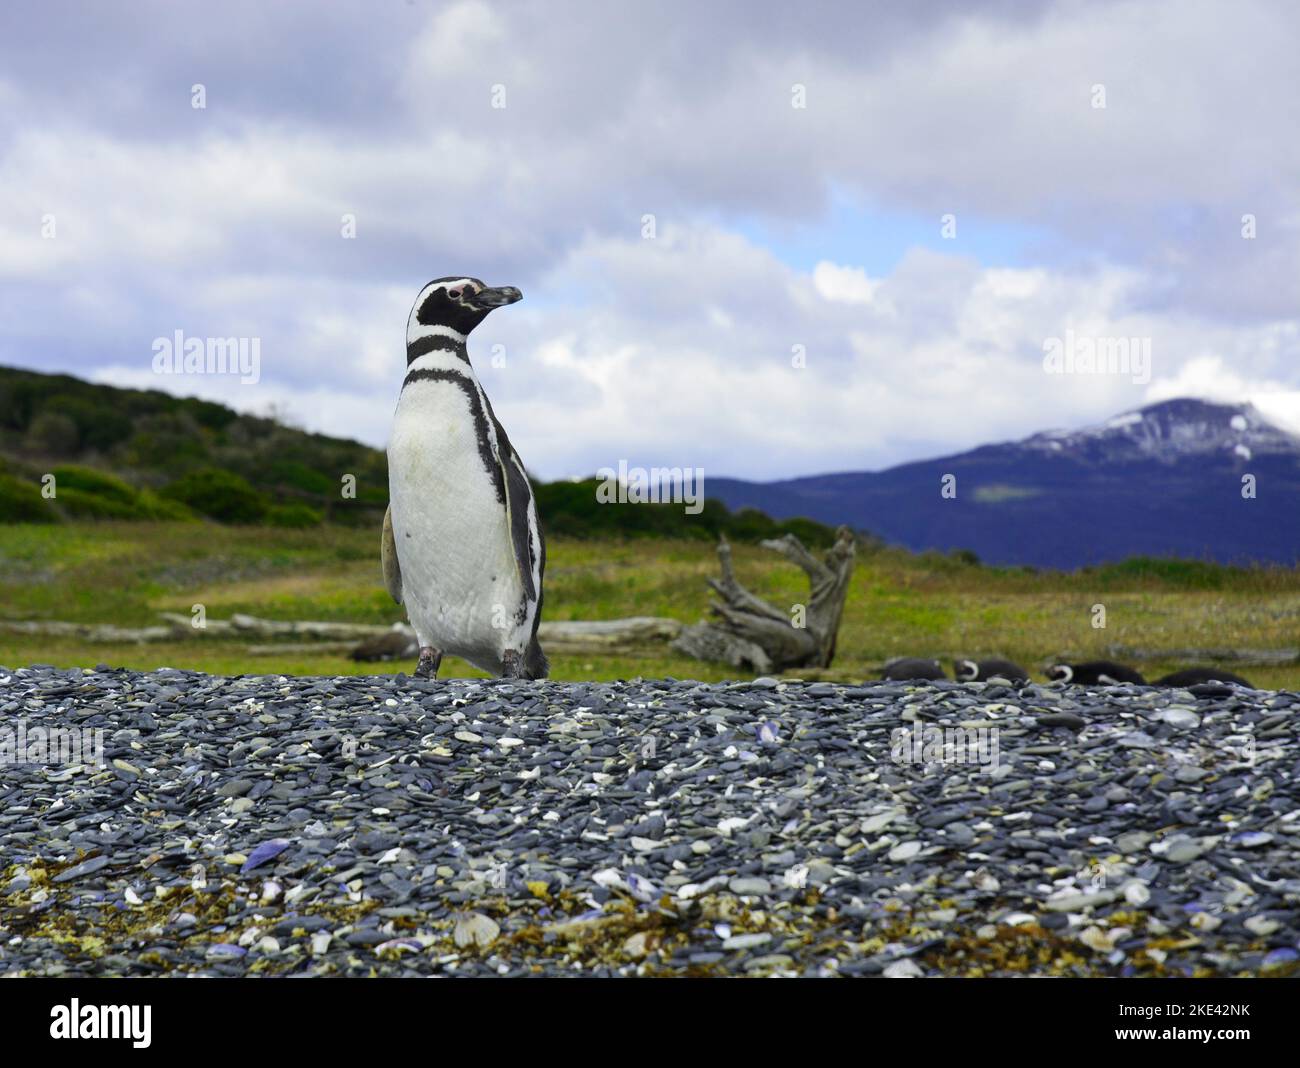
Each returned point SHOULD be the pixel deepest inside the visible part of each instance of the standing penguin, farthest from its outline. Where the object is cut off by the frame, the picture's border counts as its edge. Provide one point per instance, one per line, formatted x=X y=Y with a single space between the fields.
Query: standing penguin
x=462 y=548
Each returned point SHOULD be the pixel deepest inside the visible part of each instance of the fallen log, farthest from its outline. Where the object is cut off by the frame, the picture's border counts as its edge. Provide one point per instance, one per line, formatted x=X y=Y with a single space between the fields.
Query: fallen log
x=569 y=636
x=377 y=641
x=100 y=633
x=753 y=635
x=243 y=625
x=300 y=649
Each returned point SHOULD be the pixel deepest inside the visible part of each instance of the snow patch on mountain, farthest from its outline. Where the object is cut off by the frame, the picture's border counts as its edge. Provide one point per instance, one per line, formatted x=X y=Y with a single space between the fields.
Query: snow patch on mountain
x=1169 y=431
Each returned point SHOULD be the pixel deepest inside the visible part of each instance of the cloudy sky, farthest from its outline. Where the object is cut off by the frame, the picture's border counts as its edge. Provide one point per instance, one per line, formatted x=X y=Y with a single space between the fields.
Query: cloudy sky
x=763 y=239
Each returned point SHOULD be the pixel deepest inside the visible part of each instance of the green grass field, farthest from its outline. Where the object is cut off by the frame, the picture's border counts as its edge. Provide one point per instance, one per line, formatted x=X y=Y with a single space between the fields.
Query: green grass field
x=900 y=603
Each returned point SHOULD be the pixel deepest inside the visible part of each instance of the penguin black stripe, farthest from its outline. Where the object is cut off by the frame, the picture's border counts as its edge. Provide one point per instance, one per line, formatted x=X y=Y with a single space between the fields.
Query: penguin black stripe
x=541 y=593
x=519 y=495
x=435 y=343
x=520 y=534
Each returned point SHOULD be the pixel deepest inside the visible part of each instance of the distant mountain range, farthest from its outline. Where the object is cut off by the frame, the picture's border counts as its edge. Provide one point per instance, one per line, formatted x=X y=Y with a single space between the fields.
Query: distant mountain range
x=1165 y=480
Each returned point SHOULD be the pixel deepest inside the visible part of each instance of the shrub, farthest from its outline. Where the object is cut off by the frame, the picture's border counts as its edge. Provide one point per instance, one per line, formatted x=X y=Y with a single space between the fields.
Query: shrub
x=153 y=506
x=813 y=534
x=21 y=502
x=299 y=476
x=20 y=399
x=219 y=495
x=82 y=504
x=294 y=514
x=88 y=480
x=167 y=441
x=1184 y=574
x=571 y=509
x=52 y=432
x=100 y=426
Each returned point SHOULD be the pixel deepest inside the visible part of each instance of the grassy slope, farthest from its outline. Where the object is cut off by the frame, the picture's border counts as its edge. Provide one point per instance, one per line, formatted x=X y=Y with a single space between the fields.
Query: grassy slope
x=125 y=573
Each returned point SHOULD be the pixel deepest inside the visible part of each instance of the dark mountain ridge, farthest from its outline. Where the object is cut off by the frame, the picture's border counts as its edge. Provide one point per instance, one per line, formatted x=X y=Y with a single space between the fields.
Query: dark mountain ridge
x=1164 y=480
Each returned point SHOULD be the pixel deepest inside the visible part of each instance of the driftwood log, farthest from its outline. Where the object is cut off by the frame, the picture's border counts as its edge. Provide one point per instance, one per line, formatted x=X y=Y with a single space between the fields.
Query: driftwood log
x=575 y=637
x=365 y=641
x=98 y=633
x=751 y=634
x=240 y=625
x=600 y=635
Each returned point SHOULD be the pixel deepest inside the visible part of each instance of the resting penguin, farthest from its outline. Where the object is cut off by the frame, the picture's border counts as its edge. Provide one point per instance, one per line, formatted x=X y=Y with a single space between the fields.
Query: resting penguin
x=1196 y=676
x=461 y=546
x=911 y=667
x=979 y=670
x=1094 y=673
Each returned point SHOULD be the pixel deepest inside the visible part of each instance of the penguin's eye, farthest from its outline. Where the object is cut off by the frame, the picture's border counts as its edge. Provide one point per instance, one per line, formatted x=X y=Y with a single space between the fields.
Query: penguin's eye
x=454 y=294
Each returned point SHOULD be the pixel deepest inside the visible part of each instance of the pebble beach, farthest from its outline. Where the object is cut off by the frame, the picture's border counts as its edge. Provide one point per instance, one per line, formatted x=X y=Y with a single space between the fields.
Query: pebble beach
x=385 y=825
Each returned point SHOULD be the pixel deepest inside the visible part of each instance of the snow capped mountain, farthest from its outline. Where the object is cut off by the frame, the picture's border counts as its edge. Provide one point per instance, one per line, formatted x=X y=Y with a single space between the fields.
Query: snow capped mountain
x=1172 y=430
x=1183 y=477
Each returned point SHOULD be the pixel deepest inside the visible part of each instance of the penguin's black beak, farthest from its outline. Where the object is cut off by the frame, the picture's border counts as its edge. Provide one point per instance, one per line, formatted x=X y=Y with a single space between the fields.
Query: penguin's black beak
x=487 y=299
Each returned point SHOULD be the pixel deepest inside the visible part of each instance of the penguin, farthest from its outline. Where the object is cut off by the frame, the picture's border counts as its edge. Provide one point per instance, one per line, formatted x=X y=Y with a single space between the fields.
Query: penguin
x=911 y=667
x=462 y=548
x=1195 y=676
x=981 y=670
x=1094 y=673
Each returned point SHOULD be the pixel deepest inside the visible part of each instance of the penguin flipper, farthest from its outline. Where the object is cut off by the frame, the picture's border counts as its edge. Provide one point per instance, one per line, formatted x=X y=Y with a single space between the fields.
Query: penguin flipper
x=521 y=518
x=388 y=556
x=521 y=515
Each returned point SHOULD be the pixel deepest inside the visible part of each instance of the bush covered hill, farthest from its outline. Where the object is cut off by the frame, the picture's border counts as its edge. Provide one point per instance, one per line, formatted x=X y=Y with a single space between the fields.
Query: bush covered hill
x=142 y=454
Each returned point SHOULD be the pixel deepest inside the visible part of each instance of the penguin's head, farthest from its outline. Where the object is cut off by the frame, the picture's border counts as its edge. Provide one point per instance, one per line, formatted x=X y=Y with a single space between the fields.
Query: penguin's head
x=1060 y=673
x=453 y=306
x=965 y=670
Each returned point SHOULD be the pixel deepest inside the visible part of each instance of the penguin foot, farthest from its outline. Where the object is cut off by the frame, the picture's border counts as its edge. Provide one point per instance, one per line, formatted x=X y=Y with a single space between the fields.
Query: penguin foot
x=511 y=665
x=430 y=659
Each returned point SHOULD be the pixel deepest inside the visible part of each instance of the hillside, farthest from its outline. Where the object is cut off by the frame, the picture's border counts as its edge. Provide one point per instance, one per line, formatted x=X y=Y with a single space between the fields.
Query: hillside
x=136 y=454
x=146 y=455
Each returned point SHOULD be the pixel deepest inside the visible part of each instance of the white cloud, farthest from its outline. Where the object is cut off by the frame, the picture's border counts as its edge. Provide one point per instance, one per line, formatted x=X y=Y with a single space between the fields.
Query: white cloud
x=672 y=383
x=226 y=221
x=848 y=284
x=1213 y=378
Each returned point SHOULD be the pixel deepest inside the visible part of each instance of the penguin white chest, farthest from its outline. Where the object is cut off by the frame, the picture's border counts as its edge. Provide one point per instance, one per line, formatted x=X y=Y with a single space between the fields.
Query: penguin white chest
x=460 y=581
